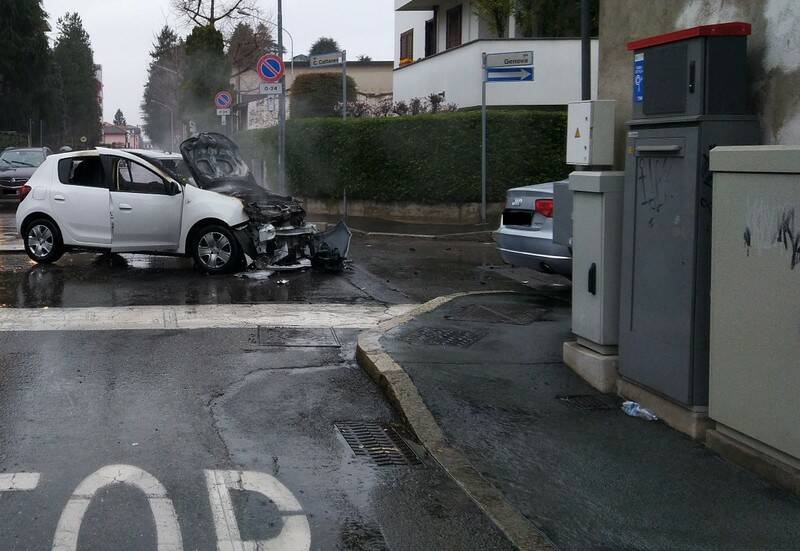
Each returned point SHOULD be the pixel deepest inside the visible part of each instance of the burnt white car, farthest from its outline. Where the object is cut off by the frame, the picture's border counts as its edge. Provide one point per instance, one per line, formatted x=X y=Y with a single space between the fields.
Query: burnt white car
x=525 y=235
x=120 y=201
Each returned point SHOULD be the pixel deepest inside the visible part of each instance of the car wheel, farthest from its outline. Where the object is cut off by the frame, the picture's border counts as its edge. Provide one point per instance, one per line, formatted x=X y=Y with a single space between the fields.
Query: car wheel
x=43 y=241
x=216 y=250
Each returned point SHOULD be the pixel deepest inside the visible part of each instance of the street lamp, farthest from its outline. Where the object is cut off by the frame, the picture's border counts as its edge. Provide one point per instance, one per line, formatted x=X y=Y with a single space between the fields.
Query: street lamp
x=171 y=122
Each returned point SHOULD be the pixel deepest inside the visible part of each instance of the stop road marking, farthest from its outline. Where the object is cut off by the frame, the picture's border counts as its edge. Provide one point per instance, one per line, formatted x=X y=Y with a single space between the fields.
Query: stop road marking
x=295 y=534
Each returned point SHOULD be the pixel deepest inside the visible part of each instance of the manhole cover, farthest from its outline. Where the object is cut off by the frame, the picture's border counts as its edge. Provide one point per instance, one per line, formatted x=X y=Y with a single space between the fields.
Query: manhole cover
x=298 y=336
x=512 y=314
x=379 y=443
x=441 y=336
x=589 y=402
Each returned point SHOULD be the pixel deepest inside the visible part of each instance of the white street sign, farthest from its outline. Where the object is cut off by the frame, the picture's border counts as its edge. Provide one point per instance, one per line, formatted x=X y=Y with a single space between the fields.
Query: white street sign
x=509 y=59
x=271 y=88
x=223 y=112
x=326 y=60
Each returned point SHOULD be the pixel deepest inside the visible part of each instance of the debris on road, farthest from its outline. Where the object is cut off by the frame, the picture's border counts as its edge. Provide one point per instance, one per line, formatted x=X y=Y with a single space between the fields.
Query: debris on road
x=258 y=275
x=282 y=282
x=635 y=410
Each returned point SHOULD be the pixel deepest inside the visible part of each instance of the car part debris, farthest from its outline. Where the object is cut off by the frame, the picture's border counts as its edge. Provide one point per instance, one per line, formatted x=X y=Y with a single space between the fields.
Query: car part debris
x=277 y=237
x=635 y=410
x=282 y=282
x=258 y=275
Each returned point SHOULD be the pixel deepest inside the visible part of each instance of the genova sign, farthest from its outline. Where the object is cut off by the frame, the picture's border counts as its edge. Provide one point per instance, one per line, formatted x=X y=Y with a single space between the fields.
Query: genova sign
x=509 y=59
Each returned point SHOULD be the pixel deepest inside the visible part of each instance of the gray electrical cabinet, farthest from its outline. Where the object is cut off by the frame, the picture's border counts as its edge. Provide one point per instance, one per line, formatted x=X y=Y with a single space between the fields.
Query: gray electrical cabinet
x=597 y=233
x=666 y=246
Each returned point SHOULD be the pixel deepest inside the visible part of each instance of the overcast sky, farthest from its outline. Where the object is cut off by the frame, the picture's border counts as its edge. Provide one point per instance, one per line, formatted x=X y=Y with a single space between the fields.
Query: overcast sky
x=122 y=33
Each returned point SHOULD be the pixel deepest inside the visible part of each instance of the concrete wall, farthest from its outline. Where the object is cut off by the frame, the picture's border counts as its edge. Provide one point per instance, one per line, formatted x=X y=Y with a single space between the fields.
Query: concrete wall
x=773 y=54
x=457 y=72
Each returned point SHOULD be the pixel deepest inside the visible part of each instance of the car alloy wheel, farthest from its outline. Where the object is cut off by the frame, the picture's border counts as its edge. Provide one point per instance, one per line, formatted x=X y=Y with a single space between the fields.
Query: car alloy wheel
x=40 y=240
x=214 y=250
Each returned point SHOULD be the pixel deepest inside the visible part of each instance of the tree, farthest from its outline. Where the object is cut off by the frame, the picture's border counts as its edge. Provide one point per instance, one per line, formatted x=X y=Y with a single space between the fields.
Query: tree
x=207 y=72
x=207 y=13
x=246 y=45
x=24 y=66
x=319 y=94
x=553 y=18
x=119 y=118
x=75 y=59
x=161 y=91
x=324 y=45
x=495 y=13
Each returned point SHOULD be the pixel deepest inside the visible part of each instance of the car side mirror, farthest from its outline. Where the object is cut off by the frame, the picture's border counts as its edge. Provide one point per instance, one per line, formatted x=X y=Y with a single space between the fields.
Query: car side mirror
x=173 y=188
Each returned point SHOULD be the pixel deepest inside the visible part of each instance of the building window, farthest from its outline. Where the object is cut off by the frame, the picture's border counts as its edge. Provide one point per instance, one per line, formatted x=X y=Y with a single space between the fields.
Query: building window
x=453 y=27
x=430 y=37
x=407 y=47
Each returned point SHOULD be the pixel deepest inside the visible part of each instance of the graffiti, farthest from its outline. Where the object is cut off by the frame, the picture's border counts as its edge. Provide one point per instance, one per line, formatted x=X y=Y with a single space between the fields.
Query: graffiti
x=653 y=178
x=771 y=227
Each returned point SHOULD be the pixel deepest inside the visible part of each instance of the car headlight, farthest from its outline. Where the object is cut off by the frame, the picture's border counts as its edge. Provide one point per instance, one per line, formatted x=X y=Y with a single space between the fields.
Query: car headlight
x=266 y=232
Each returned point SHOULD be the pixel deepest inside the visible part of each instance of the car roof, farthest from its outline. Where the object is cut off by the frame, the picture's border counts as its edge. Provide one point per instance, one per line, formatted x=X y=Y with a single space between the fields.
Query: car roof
x=545 y=186
x=155 y=153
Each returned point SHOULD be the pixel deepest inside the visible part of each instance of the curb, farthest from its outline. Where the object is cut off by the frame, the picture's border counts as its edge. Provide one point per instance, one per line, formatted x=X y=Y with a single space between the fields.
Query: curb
x=462 y=236
x=403 y=394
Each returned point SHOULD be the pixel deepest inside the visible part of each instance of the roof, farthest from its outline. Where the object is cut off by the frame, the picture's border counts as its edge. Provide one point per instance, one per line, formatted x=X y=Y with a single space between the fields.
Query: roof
x=118 y=129
x=736 y=28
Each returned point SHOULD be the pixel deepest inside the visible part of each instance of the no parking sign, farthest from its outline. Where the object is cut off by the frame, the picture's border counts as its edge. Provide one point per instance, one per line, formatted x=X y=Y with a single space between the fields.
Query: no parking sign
x=270 y=68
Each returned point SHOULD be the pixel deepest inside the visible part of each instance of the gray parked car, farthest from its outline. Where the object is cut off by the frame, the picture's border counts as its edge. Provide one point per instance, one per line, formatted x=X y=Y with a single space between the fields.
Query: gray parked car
x=17 y=165
x=525 y=236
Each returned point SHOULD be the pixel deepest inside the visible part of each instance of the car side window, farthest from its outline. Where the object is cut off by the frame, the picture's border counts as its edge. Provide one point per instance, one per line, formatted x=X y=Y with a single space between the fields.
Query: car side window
x=134 y=178
x=81 y=171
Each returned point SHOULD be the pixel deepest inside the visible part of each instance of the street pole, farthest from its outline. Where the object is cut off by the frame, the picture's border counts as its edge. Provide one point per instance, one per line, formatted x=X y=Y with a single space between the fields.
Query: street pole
x=281 y=110
x=344 y=114
x=586 y=51
x=483 y=140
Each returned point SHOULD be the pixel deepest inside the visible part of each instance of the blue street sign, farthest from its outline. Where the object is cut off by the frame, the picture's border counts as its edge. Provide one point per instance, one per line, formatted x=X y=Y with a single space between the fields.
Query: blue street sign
x=638 y=78
x=509 y=74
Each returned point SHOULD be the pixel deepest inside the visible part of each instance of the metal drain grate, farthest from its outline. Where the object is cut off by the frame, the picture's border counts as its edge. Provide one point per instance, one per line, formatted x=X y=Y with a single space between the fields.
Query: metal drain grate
x=511 y=314
x=324 y=337
x=441 y=336
x=588 y=402
x=377 y=442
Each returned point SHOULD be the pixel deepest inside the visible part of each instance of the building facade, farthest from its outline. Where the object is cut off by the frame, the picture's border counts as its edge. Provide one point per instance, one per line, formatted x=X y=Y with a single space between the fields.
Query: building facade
x=439 y=46
x=772 y=50
x=373 y=81
x=121 y=136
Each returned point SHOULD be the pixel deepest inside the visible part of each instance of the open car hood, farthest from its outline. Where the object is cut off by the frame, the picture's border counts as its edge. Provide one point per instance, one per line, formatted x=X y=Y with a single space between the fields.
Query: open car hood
x=216 y=165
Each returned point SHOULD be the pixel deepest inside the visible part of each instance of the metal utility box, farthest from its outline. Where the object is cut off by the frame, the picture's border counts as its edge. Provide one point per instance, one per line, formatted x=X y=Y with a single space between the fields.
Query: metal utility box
x=562 y=214
x=698 y=71
x=666 y=245
x=596 y=249
x=590 y=133
x=755 y=306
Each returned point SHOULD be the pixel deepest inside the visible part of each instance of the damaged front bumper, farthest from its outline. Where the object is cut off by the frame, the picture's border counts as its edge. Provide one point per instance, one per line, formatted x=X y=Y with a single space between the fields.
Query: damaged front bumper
x=290 y=247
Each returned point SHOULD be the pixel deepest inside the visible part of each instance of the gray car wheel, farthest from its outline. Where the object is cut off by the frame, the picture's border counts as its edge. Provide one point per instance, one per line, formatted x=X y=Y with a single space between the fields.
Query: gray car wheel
x=216 y=250
x=43 y=241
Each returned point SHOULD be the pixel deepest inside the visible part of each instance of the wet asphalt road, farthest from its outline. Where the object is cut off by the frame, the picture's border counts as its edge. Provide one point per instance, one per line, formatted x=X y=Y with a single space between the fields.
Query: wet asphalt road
x=176 y=410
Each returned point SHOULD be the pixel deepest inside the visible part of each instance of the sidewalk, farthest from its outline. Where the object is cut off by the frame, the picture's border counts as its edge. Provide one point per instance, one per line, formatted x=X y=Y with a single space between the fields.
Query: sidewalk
x=488 y=368
x=377 y=226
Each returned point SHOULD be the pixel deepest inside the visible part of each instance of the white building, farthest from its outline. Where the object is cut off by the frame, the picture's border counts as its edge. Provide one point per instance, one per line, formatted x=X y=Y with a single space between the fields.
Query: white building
x=439 y=46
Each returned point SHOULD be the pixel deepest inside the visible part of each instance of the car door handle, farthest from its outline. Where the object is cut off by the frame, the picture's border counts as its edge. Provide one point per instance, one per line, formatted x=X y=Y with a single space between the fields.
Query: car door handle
x=125 y=206
x=59 y=197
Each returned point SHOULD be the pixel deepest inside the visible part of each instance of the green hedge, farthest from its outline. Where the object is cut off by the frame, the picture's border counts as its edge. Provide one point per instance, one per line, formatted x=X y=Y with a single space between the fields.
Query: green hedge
x=423 y=159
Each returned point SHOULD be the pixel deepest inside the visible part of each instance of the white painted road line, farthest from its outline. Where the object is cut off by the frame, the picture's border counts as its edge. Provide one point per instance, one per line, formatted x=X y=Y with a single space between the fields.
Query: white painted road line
x=345 y=316
x=18 y=482
x=295 y=534
x=168 y=532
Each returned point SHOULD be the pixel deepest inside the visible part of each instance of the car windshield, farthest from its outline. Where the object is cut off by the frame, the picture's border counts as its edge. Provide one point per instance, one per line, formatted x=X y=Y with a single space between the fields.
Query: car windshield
x=178 y=168
x=23 y=157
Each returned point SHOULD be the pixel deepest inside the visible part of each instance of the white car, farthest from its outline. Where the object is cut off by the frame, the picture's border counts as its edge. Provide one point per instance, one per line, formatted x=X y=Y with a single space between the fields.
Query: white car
x=113 y=200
